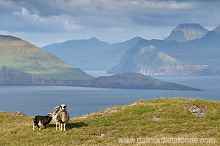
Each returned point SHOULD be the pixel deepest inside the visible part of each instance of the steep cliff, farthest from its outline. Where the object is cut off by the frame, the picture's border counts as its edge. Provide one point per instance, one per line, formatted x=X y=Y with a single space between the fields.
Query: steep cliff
x=10 y=76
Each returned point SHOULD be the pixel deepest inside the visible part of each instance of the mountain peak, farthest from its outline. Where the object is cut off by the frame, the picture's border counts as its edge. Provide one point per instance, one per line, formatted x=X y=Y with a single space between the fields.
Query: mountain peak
x=187 y=31
x=94 y=38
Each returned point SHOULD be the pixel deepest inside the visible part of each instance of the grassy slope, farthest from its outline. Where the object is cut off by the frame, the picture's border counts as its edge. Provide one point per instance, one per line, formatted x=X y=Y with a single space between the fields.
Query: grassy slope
x=130 y=121
x=23 y=56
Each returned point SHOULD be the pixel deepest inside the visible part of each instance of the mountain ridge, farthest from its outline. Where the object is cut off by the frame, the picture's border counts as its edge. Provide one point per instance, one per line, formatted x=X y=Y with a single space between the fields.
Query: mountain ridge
x=200 y=55
x=88 y=55
x=190 y=57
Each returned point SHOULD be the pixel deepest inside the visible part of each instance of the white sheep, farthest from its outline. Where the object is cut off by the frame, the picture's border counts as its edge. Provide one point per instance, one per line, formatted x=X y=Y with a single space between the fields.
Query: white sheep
x=61 y=116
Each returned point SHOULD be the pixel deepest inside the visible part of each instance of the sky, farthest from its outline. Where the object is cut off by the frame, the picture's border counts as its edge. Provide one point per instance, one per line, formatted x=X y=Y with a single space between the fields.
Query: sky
x=44 y=22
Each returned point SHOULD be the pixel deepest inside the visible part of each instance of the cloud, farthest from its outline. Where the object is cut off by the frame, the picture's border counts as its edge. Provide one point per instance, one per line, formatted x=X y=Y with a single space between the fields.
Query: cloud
x=108 y=19
x=6 y=6
x=25 y=21
x=94 y=11
x=113 y=13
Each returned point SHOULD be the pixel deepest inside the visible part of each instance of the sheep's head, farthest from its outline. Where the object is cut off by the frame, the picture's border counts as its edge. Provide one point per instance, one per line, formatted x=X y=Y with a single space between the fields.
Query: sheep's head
x=49 y=115
x=63 y=107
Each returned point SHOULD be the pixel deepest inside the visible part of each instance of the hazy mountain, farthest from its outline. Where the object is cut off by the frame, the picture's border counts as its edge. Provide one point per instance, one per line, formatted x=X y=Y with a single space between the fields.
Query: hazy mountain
x=22 y=56
x=195 y=57
x=111 y=55
x=186 y=32
x=92 y=53
x=77 y=52
x=152 y=61
x=189 y=50
x=207 y=50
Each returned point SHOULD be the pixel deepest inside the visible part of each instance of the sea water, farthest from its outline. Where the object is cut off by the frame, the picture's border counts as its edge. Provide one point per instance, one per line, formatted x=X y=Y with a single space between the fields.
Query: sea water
x=40 y=100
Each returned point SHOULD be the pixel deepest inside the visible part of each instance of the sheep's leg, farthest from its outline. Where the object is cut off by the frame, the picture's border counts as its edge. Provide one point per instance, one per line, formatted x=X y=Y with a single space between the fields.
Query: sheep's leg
x=60 y=126
x=39 y=124
x=56 y=126
x=38 y=127
x=33 y=126
x=64 y=127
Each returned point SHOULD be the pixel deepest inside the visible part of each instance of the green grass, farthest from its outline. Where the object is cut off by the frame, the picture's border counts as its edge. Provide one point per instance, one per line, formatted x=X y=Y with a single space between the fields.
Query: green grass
x=156 y=118
x=25 y=57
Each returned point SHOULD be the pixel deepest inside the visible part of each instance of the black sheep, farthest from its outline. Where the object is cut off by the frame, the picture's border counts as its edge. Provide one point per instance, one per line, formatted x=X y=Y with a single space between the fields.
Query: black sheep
x=42 y=120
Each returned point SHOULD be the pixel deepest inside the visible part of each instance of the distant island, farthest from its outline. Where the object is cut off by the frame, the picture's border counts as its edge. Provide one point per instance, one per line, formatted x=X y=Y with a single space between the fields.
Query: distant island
x=121 y=81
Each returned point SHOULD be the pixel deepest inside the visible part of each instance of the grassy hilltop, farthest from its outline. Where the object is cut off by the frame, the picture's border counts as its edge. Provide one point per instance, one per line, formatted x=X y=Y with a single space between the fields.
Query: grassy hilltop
x=23 y=56
x=156 y=118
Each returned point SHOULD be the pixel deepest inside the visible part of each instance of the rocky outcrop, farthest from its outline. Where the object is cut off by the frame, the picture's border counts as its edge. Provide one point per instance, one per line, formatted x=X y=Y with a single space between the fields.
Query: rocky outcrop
x=16 y=113
x=198 y=111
